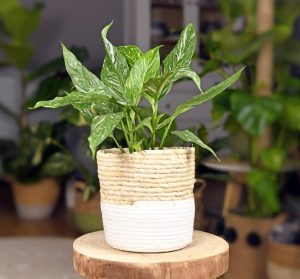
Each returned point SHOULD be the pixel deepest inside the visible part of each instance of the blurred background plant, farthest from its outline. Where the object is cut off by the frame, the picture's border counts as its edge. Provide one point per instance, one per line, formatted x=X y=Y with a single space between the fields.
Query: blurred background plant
x=246 y=114
x=40 y=150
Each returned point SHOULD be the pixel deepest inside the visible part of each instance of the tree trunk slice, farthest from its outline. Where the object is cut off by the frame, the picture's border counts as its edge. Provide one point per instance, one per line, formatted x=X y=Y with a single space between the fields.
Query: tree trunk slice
x=207 y=257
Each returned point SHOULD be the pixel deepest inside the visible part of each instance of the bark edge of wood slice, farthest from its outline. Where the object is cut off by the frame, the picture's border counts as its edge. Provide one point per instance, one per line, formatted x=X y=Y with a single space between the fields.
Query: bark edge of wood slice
x=206 y=257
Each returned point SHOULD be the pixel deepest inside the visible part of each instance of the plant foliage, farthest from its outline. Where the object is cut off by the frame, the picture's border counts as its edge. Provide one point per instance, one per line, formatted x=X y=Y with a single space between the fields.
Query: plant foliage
x=112 y=102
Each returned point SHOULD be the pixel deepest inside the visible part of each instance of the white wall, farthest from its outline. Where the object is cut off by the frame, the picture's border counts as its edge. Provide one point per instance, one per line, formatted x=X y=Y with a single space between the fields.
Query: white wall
x=76 y=22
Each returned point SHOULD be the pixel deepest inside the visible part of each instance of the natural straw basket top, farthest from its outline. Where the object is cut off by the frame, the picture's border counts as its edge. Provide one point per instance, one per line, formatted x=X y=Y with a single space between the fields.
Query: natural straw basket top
x=159 y=174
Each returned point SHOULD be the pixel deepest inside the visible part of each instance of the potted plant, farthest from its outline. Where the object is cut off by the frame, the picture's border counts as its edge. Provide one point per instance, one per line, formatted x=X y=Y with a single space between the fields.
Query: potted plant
x=260 y=118
x=147 y=199
x=33 y=166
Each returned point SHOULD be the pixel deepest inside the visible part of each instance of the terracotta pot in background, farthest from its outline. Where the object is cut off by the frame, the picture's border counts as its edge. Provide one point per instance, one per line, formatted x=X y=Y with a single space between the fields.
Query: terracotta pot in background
x=283 y=260
x=248 y=245
x=36 y=200
x=86 y=213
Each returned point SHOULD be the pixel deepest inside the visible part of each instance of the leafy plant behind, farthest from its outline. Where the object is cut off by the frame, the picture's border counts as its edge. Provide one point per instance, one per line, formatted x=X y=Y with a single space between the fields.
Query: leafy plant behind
x=248 y=115
x=128 y=75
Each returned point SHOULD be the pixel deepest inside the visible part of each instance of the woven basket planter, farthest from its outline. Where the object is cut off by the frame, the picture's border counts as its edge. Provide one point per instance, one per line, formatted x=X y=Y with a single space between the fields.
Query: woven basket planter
x=147 y=198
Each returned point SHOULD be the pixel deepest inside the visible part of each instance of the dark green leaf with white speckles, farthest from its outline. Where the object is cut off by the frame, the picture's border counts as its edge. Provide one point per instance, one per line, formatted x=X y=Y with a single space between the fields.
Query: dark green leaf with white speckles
x=102 y=127
x=182 y=53
x=188 y=136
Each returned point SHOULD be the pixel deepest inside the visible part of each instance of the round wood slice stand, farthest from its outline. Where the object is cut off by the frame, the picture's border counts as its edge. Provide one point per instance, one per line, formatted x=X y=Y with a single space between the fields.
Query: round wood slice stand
x=207 y=257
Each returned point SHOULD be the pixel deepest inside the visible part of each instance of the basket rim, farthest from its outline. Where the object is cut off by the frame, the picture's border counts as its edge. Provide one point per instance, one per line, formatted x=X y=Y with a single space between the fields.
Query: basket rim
x=166 y=150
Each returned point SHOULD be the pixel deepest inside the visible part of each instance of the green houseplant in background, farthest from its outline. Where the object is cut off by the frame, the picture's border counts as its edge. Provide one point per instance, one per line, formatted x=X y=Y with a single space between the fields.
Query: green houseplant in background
x=248 y=116
x=146 y=173
x=33 y=163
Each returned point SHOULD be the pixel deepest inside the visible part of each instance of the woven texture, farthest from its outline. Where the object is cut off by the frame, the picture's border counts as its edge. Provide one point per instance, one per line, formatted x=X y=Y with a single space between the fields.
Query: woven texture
x=148 y=175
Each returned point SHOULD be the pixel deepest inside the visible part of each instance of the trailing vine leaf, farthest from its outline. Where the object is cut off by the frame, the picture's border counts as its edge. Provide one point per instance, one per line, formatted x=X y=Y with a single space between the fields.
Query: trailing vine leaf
x=182 y=53
x=188 y=136
x=102 y=127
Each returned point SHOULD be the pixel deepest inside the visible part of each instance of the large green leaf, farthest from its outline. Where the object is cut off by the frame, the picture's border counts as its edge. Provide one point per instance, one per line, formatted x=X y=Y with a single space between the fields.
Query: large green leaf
x=188 y=136
x=207 y=95
x=102 y=127
x=181 y=55
x=115 y=68
x=254 y=113
x=131 y=53
x=145 y=68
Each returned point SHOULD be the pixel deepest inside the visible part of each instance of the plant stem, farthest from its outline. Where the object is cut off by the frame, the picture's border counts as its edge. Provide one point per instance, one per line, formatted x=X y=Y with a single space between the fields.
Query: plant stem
x=125 y=135
x=118 y=145
x=166 y=133
x=154 y=124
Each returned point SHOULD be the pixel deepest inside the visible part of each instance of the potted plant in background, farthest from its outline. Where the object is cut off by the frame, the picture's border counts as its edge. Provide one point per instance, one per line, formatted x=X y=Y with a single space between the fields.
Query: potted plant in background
x=261 y=153
x=146 y=189
x=33 y=166
x=35 y=163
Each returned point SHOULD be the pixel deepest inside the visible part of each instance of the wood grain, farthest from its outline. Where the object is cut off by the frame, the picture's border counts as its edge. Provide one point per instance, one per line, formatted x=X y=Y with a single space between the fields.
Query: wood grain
x=207 y=257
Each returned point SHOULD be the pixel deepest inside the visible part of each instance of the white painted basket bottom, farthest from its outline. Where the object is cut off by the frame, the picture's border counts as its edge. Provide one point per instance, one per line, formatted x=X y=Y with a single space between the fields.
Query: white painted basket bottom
x=149 y=226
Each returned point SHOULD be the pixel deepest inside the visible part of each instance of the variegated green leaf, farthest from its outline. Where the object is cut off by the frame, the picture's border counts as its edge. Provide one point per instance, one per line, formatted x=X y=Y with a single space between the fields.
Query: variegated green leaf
x=83 y=80
x=115 y=68
x=146 y=67
x=206 y=96
x=188 y=136
x=131 y=53
x=159 y=87
x=75 y=99
x=181 y=55
x=102 y=127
